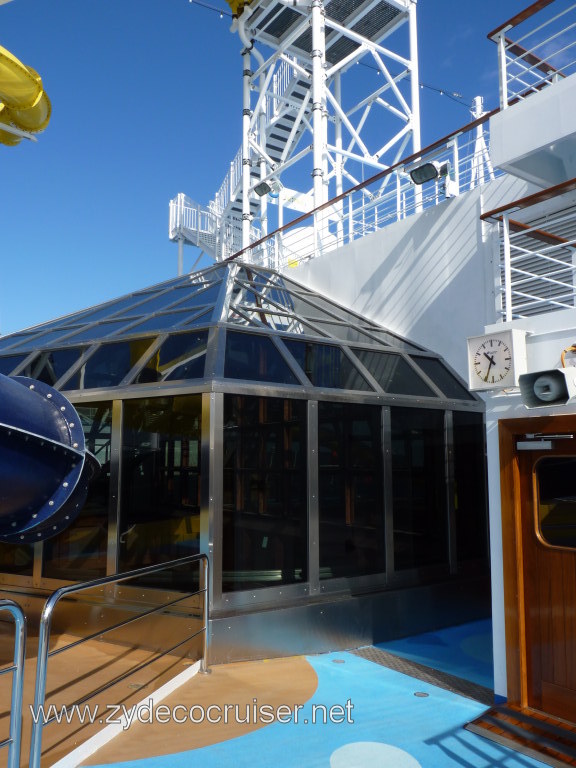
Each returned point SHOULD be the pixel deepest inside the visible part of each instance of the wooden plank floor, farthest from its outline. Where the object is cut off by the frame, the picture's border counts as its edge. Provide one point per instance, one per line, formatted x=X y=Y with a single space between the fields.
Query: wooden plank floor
x=545 y=738
x=71 y=676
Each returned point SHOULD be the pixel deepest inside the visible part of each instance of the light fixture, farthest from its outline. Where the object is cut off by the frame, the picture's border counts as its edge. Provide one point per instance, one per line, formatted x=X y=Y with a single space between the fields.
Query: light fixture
x=262 y=188
x=429 y=172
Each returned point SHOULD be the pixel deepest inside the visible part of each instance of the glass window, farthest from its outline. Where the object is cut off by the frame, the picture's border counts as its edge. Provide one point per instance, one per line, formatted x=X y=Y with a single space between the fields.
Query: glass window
x=341 y=331
x=255 y=358
x=160 y=494
x=162 y=322
x=556 y=482
x=418 y=488
x=51 y=365
x=181 y=356
x=79 y=552
x=265 y=492
x=446 y=382
x=326 y=366
x=470 y=501
x=393 y=373
x=350 y=490
x=108 y=365
x=9 y=363
x=99 y=330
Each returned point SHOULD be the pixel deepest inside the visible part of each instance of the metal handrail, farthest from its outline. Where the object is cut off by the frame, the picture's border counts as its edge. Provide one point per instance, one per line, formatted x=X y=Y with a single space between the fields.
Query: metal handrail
x=46 y=621
x=384 y=198
x=17 y=670
x=543 y=51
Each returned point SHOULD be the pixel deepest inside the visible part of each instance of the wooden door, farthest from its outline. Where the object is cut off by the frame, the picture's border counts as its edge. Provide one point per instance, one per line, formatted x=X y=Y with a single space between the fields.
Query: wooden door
x=547 y=485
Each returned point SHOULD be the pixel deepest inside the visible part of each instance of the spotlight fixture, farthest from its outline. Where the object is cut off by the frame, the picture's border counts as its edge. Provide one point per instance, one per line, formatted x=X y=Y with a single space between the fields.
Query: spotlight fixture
x=262 y=188
x=429 y=172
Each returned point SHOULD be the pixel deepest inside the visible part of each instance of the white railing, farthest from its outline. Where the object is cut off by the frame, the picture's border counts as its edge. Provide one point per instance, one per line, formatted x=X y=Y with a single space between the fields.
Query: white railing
x=536 y=48
x=391 y=195
x=229 y=185
x=538 y=255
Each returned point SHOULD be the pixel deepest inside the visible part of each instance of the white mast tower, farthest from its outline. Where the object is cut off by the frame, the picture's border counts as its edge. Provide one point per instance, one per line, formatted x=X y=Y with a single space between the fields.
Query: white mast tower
x=330 y=97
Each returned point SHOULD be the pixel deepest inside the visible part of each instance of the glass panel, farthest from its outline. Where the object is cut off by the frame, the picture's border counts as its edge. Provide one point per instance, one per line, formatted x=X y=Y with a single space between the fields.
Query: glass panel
x=255 y=358
x=160 y=495
x=326 y=366
x=44 y=339
x=265 y=492
x=181 y=356
x=15 y=340
x=470 y=500
x=445 y=381
x=350 y=490
x=52 y=365
x=393 y=373
x=98 y=331
x=111 y=309
x=556 y=482
x=155 y=302
x=418 y=488
x=17 y=559
x=162 y=322
x=9 y=363
x=108 y=365
x=342 y=331
x=79 y=552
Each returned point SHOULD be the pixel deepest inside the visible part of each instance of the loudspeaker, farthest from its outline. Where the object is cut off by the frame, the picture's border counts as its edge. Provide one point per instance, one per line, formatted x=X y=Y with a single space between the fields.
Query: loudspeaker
x=546 y=388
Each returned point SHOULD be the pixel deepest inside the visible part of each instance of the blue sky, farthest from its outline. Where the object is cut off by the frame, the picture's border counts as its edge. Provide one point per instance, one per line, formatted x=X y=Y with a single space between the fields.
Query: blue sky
x=146 y=100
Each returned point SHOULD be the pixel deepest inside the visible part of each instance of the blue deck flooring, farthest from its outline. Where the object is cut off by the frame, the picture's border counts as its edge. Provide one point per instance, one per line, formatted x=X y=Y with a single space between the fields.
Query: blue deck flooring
x=396 y=721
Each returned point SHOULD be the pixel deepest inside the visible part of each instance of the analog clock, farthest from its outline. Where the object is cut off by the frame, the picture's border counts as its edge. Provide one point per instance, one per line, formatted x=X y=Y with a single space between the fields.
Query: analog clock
x=496 y=359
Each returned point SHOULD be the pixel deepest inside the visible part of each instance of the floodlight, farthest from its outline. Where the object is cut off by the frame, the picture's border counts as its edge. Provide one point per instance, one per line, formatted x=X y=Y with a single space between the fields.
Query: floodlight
x=262 y=188
x=429 y=172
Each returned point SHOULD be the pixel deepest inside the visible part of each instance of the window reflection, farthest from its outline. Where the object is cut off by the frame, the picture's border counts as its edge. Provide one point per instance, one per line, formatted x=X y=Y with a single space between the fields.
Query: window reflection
x=255 y=358
x=418 y=487
x=265 y=476
x=160 y=495
x=9 y=363
x=79 y=552
x=181 y=356
x=393 y=373
x=108 y=365
x=350 y=494
x=51 y=365
x=446 y=382
x=326 y=366
x=470 y=503
x=556 y=479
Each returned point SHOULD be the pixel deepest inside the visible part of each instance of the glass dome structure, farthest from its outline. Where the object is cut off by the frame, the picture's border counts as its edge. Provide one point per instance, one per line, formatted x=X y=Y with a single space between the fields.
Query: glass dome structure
x=237 y=412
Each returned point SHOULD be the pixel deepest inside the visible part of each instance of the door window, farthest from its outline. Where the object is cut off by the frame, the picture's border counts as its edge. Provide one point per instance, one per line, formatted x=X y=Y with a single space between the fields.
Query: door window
x=556 y=504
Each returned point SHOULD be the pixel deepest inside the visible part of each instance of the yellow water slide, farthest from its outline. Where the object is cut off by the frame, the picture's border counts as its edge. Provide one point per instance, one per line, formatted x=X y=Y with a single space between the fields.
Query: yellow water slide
x=23 y=101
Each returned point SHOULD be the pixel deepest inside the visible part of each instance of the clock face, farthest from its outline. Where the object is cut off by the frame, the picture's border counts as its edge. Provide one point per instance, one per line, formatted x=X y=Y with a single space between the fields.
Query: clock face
x=492 y=360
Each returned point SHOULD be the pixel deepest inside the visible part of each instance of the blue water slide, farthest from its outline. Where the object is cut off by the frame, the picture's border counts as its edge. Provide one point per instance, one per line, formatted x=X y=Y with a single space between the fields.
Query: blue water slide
x=45 y=469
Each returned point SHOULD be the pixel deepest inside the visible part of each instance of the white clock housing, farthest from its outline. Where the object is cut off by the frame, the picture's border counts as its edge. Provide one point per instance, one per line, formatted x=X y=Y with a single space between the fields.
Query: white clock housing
x=496 y=360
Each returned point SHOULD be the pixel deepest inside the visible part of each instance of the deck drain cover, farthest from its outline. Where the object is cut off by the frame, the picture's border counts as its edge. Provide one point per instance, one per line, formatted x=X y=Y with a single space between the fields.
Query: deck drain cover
x=421 y=694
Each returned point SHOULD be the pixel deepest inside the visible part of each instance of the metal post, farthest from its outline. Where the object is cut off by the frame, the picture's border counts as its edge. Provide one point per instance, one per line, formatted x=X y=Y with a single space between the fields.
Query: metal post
x=318 y=100
x=206 y=581
x=17 y=681
x=503 y=75
x=246 y=162
x=507 y=268
x=415 y=94
x=40 y=687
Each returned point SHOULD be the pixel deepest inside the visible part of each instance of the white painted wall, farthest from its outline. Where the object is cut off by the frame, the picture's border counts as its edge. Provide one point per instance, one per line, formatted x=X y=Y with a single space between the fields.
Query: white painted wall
x=429 y=278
